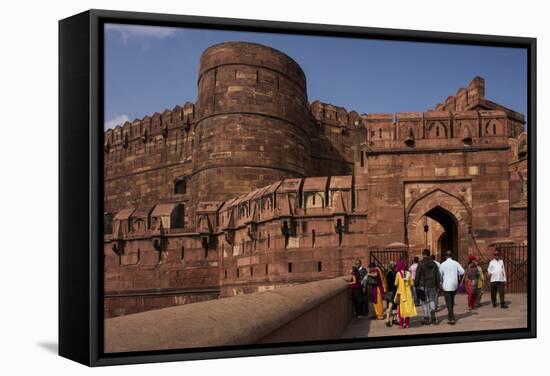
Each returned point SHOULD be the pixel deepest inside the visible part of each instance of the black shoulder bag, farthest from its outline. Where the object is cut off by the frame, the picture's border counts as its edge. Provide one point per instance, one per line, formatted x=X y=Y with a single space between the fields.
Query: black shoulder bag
x=421 y=292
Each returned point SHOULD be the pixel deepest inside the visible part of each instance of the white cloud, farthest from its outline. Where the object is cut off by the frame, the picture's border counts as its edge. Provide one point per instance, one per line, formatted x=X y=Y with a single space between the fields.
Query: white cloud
x=117 y=120
x=127 y=32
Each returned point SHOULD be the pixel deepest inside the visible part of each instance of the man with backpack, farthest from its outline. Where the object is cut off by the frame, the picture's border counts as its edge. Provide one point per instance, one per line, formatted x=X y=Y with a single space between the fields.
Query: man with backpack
x=427 y=284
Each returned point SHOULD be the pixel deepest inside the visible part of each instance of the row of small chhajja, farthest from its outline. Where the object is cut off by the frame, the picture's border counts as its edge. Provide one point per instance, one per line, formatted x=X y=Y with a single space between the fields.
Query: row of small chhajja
x=286 y=198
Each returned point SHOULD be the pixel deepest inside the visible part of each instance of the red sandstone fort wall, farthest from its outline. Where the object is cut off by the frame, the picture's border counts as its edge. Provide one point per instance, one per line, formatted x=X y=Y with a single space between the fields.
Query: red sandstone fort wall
x=144 y=158
x=290 y=232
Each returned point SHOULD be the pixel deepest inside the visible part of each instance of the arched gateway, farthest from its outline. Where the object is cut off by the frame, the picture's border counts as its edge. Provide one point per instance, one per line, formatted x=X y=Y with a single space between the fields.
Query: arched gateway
x=448 y=210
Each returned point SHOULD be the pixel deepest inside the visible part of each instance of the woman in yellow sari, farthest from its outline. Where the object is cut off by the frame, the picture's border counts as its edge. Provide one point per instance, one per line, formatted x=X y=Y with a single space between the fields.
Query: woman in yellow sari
x=376 y=282
x=404 y=295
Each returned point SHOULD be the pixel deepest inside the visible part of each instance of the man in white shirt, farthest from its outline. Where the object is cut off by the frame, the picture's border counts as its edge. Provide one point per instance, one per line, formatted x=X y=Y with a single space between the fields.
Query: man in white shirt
x=450 y=271
x=497 y=274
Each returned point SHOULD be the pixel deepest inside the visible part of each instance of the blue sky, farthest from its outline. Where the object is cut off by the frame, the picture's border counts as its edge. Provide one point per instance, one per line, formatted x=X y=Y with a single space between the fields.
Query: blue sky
x=149 y=69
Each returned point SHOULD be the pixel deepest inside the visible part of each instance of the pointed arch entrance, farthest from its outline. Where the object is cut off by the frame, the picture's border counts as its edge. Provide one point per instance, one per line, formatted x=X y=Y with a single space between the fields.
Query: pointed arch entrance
x=452 y=216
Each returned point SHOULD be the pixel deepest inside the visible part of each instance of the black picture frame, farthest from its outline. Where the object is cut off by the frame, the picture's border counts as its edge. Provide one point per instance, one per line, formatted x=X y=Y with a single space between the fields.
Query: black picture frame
x=81 y=188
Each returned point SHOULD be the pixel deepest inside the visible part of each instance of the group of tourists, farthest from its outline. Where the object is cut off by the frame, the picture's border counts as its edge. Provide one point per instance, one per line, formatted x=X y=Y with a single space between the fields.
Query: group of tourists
x=403 y=289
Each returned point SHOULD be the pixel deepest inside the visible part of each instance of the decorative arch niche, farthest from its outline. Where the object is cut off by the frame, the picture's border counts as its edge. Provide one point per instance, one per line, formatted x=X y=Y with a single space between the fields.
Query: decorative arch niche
x=315 y=200
x=437 y=129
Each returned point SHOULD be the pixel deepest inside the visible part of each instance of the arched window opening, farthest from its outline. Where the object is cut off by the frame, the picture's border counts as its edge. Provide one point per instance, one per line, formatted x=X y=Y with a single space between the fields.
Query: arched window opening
x=180 y=185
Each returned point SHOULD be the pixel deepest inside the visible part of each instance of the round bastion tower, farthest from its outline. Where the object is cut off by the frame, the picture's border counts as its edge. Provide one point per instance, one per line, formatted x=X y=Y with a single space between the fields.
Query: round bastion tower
x=253 y=123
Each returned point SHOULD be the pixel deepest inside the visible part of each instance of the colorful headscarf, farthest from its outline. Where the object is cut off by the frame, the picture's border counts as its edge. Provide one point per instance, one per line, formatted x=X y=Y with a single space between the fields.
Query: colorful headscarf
x=401 y=265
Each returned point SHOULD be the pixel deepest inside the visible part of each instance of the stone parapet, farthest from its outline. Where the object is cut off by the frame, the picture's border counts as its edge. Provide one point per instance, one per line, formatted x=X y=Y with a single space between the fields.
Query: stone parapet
x=280 y=315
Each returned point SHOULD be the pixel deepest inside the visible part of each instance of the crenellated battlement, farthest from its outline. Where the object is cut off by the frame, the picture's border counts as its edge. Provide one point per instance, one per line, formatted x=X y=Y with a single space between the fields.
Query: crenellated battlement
x=453 y=120
x=465 y=98
x=329 y=114
x=473 y=98
x=150 y=126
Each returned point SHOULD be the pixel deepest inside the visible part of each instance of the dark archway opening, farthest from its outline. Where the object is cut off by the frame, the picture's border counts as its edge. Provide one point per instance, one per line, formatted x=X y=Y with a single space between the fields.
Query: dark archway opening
x=442 y=244
x=449 y=239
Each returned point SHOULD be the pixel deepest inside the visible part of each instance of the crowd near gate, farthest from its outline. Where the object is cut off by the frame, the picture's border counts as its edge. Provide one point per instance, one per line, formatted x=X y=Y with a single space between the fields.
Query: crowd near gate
x=515 y=259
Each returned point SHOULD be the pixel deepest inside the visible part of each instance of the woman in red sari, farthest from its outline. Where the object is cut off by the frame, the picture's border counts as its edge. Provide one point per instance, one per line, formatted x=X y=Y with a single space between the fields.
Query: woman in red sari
x=470 y=281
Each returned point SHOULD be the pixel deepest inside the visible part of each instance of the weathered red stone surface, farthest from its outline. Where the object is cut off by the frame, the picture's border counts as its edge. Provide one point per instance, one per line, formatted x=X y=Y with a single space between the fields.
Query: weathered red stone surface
x=253 y=187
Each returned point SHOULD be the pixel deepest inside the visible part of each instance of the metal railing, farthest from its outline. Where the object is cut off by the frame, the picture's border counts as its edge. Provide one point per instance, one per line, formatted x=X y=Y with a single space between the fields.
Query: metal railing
x=383 y=256
x=515 y=259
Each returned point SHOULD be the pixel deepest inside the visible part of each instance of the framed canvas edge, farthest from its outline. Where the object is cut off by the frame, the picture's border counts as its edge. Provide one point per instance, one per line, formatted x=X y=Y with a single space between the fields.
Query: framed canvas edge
x=95 y=316
x=74 y=279
x=96 y=193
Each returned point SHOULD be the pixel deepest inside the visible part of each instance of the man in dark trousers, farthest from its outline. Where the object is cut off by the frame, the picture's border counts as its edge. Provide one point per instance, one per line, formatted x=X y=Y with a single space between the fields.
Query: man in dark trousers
x=427 y=285
x=497 y=274
x=450 y=272
x=362 y=274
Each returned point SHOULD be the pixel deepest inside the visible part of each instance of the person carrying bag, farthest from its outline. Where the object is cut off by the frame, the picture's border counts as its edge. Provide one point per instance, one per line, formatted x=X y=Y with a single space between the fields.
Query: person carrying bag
x=426 y=283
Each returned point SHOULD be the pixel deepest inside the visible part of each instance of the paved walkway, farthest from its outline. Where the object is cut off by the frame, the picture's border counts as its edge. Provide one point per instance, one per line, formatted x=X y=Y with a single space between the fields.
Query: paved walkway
x=483 y=318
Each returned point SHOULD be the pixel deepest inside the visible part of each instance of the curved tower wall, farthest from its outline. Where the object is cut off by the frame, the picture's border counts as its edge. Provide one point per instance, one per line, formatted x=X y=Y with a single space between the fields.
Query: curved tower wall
x=253 y=123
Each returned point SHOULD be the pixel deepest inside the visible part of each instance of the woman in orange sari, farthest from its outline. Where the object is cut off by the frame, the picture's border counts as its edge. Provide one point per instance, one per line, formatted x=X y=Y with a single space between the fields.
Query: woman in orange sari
x=376 y=281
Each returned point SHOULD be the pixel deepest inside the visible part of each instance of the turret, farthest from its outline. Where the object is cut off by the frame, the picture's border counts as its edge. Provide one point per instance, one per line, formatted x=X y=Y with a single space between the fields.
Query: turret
x=253 y=123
